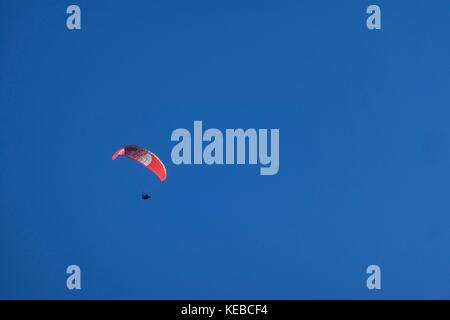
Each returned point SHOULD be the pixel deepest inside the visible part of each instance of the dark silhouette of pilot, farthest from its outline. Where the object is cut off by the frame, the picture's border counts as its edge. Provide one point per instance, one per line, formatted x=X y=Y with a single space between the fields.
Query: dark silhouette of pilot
x=145 y=196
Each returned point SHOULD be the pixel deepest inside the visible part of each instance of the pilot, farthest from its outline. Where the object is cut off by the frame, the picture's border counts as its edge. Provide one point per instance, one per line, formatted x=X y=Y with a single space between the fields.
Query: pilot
x=145 y=196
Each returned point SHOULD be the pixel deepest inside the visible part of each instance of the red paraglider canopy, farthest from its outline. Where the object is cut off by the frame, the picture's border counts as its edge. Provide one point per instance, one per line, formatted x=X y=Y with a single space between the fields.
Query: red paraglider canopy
x=144 y=157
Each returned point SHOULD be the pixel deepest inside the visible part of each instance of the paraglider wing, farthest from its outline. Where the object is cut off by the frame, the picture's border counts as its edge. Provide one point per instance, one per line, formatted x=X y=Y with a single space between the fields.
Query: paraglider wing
x=144 y=157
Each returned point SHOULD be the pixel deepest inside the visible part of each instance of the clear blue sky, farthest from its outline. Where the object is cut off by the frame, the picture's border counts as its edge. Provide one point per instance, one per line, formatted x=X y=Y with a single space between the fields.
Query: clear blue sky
x=364 y=149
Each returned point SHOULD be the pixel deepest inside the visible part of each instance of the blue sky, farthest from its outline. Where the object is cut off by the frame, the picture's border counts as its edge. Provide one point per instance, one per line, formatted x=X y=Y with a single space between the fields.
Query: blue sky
x=364 y=149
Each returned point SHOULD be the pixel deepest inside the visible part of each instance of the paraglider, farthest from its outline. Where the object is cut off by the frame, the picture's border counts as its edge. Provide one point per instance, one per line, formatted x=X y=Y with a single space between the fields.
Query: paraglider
x=146 y=158
x=145 y=196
